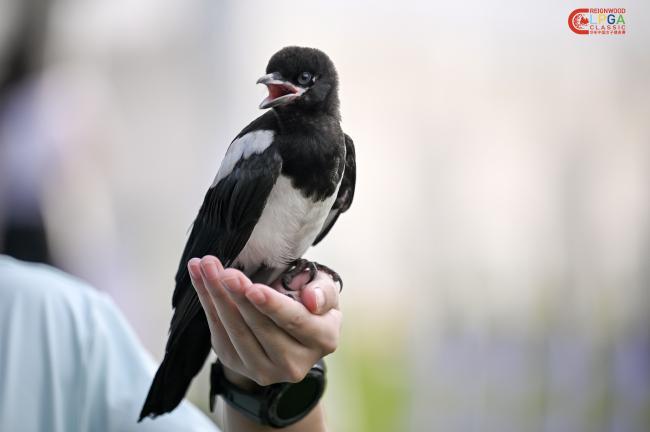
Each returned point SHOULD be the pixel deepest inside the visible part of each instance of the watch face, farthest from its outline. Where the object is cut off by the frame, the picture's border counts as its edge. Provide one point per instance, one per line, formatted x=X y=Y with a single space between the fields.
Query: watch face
x=295 y=401
x=297 y=398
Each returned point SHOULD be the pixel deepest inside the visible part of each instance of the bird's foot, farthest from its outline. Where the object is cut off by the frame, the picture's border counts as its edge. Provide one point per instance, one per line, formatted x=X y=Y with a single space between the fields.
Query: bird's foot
x=298 y=266
x=302 y=265
x=334 y=275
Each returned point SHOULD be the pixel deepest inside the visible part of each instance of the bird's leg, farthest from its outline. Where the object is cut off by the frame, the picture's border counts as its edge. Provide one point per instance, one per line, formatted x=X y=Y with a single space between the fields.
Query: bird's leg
x=298 y=266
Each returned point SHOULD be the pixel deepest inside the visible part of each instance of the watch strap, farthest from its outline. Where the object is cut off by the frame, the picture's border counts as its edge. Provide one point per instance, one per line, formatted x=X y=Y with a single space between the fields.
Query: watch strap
x=262 y=405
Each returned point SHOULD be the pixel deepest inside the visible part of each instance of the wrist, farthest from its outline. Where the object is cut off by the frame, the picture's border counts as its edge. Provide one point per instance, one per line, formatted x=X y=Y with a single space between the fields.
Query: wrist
x=239 y=380
x=277 y=405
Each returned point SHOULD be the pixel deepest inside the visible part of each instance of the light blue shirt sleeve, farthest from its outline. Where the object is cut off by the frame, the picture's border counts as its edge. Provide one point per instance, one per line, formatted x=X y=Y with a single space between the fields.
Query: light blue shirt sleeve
x=70 y=362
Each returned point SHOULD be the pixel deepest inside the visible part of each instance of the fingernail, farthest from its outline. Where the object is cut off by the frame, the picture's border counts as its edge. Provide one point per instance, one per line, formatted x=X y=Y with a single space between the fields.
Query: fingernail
x=320 y=298
x=191 y=270
x=210 y=269
x=230 y=284
x=256 y=296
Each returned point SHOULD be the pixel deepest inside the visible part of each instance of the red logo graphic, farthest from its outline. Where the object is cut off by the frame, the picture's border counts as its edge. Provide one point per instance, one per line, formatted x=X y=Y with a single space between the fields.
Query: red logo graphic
x=578 y=21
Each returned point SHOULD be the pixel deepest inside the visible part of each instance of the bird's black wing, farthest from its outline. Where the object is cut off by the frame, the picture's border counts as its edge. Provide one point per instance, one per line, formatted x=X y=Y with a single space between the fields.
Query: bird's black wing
x=225 y=221
x=208 y=224
x=346 y=190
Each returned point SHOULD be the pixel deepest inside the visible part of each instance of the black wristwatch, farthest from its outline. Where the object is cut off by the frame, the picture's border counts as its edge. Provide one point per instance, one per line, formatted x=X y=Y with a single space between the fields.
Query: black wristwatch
x=278 y=405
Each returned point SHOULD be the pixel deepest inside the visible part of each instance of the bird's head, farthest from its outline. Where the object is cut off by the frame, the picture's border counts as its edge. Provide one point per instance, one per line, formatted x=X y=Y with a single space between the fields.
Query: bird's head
x=301 y=78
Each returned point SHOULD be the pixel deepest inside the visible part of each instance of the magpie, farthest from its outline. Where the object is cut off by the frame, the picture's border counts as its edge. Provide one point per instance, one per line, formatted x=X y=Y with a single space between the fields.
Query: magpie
x=282 y=184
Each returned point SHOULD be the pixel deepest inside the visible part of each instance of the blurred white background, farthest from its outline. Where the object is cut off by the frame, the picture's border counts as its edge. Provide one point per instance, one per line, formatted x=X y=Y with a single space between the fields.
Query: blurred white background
x=496 y=255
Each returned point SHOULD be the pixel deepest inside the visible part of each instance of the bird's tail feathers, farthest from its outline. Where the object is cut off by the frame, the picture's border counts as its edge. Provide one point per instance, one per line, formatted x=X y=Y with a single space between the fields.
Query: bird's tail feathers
x=181 y=363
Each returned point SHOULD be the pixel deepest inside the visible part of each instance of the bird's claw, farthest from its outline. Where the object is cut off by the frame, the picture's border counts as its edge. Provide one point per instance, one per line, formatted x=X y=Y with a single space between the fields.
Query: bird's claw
x=300 y=265
x=334 y=275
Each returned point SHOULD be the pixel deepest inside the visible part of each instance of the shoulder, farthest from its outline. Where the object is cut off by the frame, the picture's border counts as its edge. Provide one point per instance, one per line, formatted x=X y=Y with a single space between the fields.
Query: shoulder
x=39 y=283
x=254 y=139
x=77 y=359
x=47 y=303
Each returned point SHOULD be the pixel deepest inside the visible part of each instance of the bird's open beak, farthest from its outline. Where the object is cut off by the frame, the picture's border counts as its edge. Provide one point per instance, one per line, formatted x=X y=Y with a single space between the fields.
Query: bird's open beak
x=281 y=91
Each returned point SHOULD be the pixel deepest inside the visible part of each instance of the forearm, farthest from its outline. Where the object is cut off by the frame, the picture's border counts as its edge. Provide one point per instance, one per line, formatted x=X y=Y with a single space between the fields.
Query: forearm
x=233 y=421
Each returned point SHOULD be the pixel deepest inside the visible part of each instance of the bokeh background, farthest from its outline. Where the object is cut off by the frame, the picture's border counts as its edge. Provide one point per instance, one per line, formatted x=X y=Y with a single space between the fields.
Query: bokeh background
x=496 y=255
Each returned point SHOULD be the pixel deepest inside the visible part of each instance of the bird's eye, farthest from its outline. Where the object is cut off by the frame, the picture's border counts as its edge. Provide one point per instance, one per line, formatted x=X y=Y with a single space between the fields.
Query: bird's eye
x=304 y=78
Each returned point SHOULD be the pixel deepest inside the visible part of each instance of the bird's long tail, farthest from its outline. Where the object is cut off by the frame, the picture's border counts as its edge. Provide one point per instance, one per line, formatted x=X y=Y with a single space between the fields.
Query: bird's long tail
x=183 y=360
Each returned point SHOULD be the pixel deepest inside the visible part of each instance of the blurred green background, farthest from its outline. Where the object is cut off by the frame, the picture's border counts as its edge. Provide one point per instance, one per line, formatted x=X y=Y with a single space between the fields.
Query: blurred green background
x=496 y=255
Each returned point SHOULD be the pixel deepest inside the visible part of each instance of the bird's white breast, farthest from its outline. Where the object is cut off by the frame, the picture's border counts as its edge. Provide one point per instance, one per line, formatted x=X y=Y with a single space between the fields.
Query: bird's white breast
x=289 y=224
x=242 y=148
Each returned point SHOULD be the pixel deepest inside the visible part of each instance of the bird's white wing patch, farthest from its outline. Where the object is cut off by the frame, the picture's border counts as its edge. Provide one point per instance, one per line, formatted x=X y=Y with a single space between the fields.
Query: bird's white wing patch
x=242 y=148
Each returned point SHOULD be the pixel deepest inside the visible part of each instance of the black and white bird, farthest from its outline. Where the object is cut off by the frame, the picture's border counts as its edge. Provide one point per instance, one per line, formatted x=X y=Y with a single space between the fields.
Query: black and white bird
x=283 y=183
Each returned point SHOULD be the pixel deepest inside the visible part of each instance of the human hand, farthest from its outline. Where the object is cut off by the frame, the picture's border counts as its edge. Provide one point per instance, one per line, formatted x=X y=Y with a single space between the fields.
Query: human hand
x=260 y=334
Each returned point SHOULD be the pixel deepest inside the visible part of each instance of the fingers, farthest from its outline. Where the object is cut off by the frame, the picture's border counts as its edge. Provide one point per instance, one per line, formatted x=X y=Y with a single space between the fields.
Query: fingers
x=291 y=359
x=249 y=351
x=220 y=340
x=321 y=294
x=193 y=267
x=260 y=324
x=316 y=331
